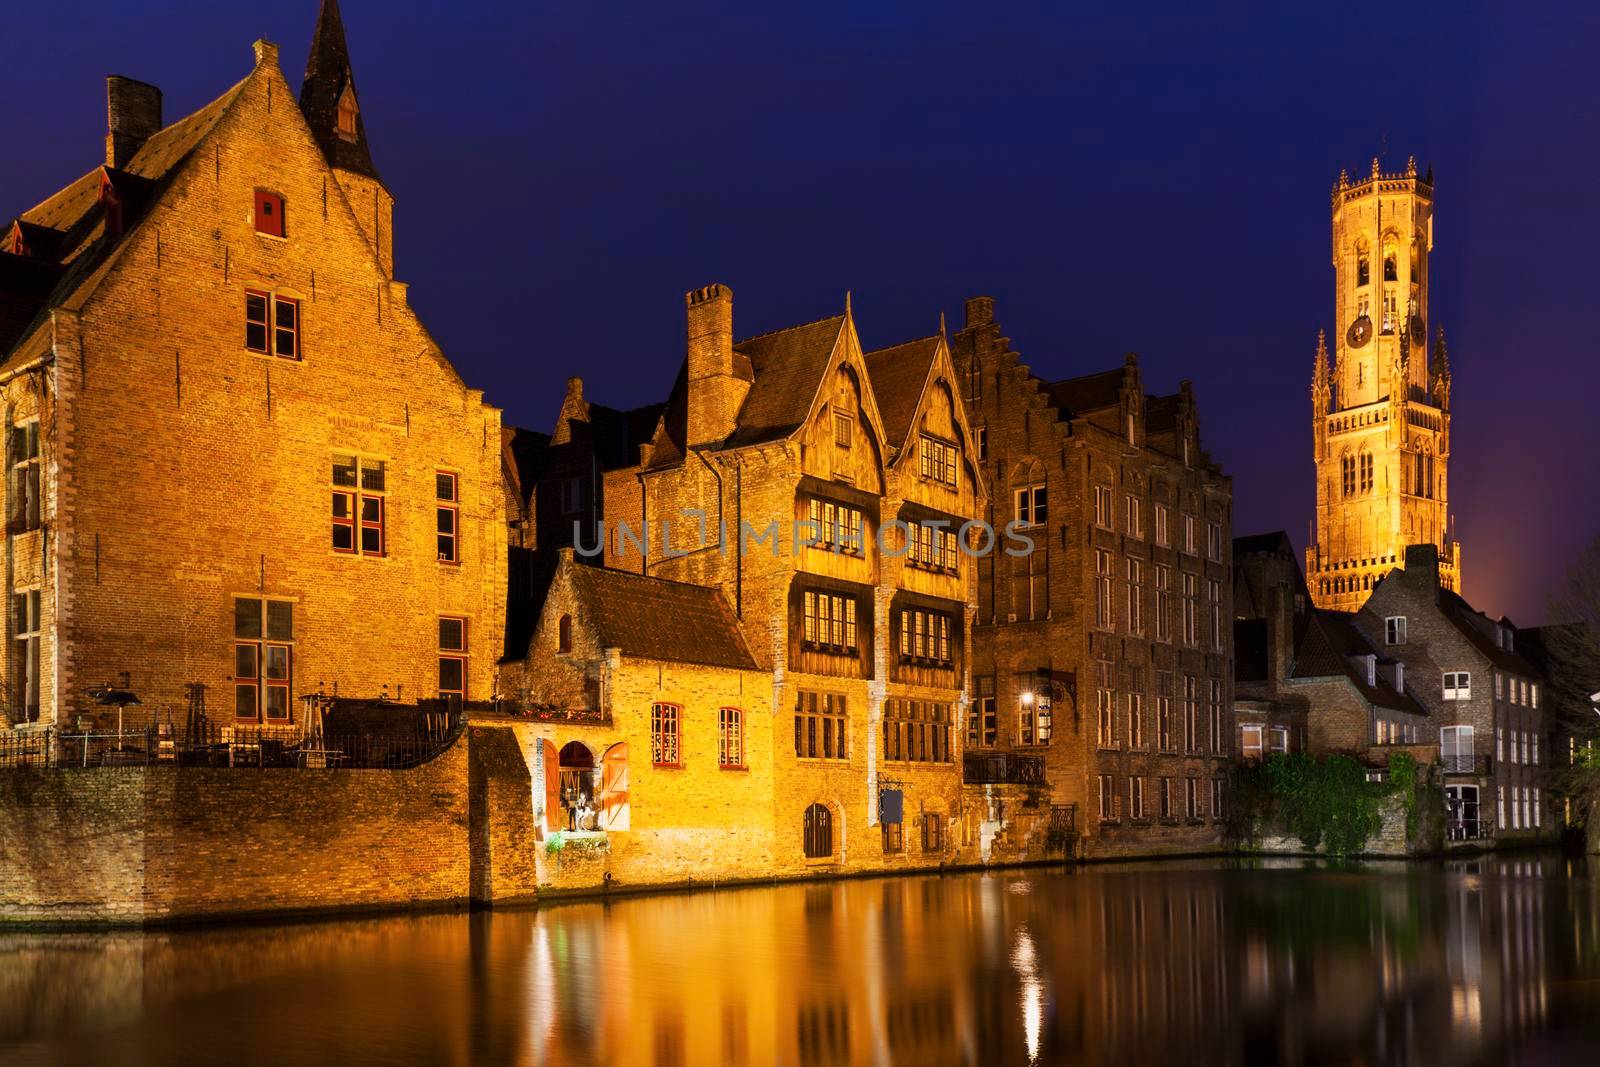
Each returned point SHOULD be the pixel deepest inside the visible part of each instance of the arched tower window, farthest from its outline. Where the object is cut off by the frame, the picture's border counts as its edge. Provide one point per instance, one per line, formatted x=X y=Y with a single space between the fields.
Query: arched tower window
x=345 y=118
x=1391 y=266
x=1363 y=263
x=1347 y=474
x=1366 y=472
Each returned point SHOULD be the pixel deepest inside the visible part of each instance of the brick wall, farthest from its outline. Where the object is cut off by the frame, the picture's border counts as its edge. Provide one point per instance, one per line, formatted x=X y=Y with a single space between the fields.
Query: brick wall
x=147 y=844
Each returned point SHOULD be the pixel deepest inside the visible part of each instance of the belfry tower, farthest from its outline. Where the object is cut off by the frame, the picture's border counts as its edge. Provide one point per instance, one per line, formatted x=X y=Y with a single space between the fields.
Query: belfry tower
x=1381 y=411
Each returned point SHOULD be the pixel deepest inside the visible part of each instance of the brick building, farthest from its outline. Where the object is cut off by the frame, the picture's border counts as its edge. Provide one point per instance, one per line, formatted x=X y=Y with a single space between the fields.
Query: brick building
x=1380 y=417
x=818 y=490
x=237 y=458
x=1484 y=696
x=1306 y=679
x=1103 y=642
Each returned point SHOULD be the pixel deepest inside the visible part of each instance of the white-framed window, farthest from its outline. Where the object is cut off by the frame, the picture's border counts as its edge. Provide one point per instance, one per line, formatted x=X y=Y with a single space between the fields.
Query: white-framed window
x=1166 y=798
x=1031 y=505
x=1499 y=744
x=1135 y=613
x=1500 y=805
x=1136 y=720
x=1191 y=797
x=1191 y=713
x=1163 y=534
x=1537 y=819
x=1132 y=517
x=1102 y=506
x=1191 y=609
x=26 y=633
x=1214 y=541
x=1135 y=797
x=1250 y=741
x=1104 y=611
x=1218 y=792
x=1108 y=797
x=1279 y=738
x=1214 y=608
x=1394 y=630
x=1163 y=602
x=1458 y=685
x=1533 y=694
x=1188 y=534
x=1105 y=702
x=22 y=456
x=1218 y=739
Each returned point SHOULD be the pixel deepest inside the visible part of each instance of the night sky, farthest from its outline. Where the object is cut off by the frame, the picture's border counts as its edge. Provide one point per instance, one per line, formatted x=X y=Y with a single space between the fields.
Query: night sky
x=1154 y=183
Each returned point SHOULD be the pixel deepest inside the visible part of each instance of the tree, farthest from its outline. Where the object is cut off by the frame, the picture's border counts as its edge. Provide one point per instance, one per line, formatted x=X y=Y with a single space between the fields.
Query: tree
x=1571 y=660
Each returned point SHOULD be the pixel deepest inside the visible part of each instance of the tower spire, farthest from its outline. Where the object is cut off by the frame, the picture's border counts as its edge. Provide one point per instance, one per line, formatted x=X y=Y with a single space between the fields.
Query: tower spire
x=328 y=97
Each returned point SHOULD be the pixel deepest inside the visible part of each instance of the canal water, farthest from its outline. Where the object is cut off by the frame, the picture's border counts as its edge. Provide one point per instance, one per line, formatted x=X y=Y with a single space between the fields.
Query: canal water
x=1485 y=961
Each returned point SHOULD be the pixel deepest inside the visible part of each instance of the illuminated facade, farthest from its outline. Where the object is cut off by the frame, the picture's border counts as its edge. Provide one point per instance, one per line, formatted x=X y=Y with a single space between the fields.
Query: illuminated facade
x=1381 y=411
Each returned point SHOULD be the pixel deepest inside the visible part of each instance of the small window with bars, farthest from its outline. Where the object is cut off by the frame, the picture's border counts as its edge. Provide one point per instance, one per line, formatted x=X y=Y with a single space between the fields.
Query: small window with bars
x=664 y=735
x=730 y=738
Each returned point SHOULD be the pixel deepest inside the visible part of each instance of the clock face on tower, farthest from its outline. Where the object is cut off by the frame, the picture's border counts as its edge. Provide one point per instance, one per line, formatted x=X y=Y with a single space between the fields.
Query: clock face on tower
x=1360 y=332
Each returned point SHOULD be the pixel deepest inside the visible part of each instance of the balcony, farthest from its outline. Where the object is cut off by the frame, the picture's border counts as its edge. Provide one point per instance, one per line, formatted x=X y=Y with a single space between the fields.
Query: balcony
x=1002 y=768
x=1465 y=763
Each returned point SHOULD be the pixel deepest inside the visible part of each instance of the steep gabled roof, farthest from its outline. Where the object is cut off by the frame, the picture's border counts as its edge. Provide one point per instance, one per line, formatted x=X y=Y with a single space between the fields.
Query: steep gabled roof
x=899 y=375
x=652 y=618
x=1326 y=641
x=1477 y=627
x=786 y=370
x=1088 y=392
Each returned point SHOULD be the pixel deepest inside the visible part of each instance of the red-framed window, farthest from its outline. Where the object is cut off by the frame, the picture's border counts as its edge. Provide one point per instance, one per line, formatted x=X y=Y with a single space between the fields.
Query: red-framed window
x=263 y=653
x=453 y=658
x=448 y=490
x=359 y=505
x=665 y=736
x=730 y=737
x=269 y=214
x=271 y=324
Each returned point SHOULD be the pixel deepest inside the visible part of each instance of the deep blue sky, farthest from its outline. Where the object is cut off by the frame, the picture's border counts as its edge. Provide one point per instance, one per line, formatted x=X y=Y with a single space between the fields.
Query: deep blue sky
x=1153 y=182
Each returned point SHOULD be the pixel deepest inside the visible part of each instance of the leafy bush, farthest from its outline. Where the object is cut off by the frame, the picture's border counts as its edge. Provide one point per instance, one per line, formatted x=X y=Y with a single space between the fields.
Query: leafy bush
x=1327 y=803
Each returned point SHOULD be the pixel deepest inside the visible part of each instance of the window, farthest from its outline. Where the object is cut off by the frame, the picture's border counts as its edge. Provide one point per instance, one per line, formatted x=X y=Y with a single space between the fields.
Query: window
x=453 y=658
x=1191 y=713
x=931 y=548
x=1104 y=614
x=1533 y=694
x=1102 y=507
x=730 y=737
x=1135 y=797
x=267 y=315
x=839 y=528
x=1163 y=535
x=1214 y=541
x=1250 y=746
x=1278 y=737
x=844 y=429
x=1500 y=804
x=830 y=622
x=982 y=434
x=1164 y=713
x=1394 y=630
x=22 y=455
x=26 y=629
x=358 y=504
x=1135 y=611
x=937 y=460
x=664 y=735
x=269 y=214
x=1191 y=797
x=1108 y=797
x=571 y=496
x=1166 y=798
x=1218 y=788
x=263 y=648
x=893 y=836
x=925 y=636
x=1347 y=474
x=1106 y=714
x=916 y=731
x=1458 y=685
x=1191 y=609
x=1031 y=506
x=932 y=832
x=344 y=120
x=1499 y=684
x=564 y=634
x=818 y=833
x=447 y=489
x=1188 y=534
x=1136 y=714
x=1214 y=718
x=1214 y=609
x=1132 y=517
x=1163 y=602
x=983 y=727
x=819 y=726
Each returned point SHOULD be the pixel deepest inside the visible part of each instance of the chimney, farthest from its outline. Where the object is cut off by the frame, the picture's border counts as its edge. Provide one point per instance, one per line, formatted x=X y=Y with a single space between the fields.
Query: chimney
x=980 y=311
x=1280 y=632
x=715 y=393
x=1422 y=565
x=133 y=116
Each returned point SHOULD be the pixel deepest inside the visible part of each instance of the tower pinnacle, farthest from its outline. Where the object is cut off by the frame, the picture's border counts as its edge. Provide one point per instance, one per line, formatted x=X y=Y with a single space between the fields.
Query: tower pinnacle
x=328 y=97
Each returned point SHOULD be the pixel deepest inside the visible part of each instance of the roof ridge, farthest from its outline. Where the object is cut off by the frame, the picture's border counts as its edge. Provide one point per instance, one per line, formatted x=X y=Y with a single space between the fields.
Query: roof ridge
x=786 y=329
x=902 y=344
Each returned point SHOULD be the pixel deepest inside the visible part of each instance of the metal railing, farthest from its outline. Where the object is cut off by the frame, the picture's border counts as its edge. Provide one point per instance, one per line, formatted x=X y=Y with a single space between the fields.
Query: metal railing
x=237 y=745
x=1002 y=768
x=1464 y=763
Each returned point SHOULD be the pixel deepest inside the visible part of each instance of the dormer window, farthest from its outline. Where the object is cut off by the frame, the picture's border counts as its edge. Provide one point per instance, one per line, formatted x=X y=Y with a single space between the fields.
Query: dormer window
x=344 y=123
x=269 y=214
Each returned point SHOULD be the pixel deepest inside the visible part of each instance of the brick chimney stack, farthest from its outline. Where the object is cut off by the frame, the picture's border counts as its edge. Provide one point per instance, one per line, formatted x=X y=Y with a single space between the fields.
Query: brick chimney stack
x=1422 y=565
x=133 y=116
x=715 y=391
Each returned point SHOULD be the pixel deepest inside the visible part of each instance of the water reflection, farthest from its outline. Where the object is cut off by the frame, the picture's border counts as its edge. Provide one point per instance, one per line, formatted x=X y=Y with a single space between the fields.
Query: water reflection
x=1481 y=961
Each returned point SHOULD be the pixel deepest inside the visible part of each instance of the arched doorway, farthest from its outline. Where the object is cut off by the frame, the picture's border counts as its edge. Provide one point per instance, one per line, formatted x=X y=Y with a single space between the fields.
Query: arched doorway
x=818 y=832
x=576 y=766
